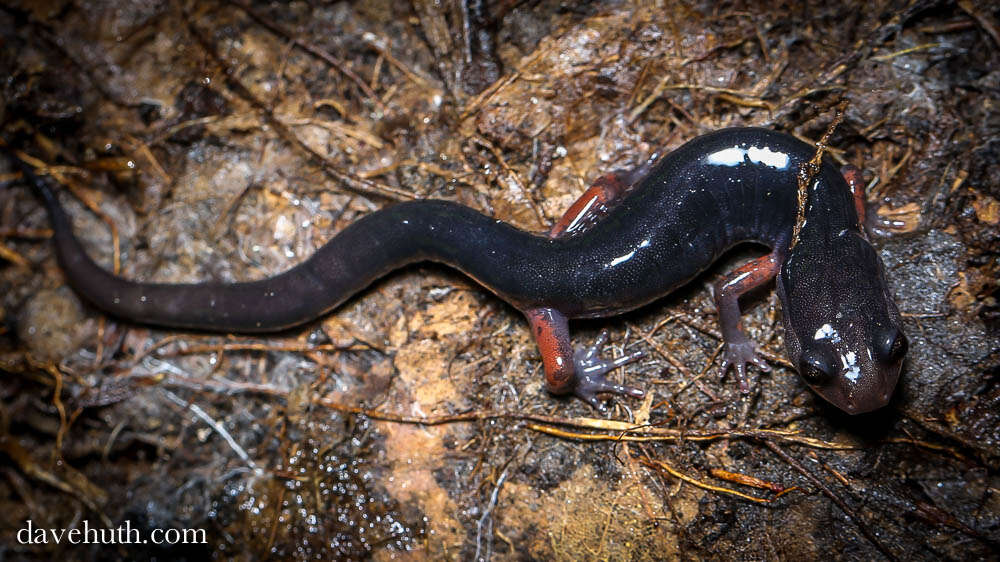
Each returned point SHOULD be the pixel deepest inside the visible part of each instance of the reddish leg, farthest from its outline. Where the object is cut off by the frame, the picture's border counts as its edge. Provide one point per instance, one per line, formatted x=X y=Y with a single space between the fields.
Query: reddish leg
x=739 y=349
x=582 y=372
x=871 y=222
x=857 y=185
x=597 y=202
x=590 y=207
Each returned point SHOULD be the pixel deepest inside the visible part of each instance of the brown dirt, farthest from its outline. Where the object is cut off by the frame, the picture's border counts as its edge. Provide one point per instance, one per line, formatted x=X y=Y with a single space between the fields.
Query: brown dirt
x=228 y=143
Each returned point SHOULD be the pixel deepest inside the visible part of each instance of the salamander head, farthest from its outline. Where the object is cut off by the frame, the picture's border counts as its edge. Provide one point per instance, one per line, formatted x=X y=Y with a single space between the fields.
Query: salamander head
x=842 y=329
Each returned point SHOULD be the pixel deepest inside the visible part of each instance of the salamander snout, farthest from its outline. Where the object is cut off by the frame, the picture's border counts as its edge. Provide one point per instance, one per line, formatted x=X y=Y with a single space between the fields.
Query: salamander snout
x=859 y=376
x=865 y=403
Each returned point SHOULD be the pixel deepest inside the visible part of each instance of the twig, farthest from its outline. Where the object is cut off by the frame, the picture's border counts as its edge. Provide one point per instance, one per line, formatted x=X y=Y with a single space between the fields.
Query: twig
x=381 y=45
x=256 y=346
x=906 y=51
x=352 y=182
x=861 y=524
x=309 y=48
x=680 y=366
x=486 y=95
x=664 y=467
x=216 y=426
x=808 y=171
x=663 y=85
x=57 y=173
x=13 y=257
x=486 y=519
x=513 y=176
x=983 y=19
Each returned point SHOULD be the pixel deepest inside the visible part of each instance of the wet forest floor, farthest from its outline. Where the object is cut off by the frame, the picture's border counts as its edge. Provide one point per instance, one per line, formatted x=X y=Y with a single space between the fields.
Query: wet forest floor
x=225 y=141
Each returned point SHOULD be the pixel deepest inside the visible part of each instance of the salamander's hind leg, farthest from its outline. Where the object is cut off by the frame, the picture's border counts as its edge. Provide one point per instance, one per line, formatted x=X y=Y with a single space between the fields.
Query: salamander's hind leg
x=739 y=349
x=598 y=201
x=580 y=372
x=871 y=221
x=855 y=181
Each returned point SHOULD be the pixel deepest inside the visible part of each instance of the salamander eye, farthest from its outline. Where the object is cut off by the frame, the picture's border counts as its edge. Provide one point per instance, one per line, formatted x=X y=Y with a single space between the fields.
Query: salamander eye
x=815 y=369
x=893 y=346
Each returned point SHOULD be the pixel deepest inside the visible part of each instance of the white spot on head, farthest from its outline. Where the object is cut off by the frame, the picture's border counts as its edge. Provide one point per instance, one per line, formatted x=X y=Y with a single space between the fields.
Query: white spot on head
x=851 y=368
x=827 y=332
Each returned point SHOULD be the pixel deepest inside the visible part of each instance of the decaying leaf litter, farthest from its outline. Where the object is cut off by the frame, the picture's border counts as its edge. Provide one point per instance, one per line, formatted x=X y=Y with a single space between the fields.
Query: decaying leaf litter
x=222 y=141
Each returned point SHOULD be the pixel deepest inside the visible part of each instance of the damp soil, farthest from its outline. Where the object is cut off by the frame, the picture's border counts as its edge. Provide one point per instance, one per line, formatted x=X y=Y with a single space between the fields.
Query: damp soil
x=194 y=141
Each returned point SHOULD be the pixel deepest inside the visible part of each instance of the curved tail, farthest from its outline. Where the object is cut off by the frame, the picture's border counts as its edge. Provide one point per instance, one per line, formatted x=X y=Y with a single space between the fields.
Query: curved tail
x=492 y=252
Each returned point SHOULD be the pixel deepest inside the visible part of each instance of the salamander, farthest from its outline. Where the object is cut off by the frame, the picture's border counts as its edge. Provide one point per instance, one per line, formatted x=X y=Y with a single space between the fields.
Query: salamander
x=631 y=238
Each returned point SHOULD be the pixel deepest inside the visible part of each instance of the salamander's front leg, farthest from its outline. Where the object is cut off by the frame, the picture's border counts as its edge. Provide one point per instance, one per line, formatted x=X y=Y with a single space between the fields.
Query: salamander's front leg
x=579 y=372
x=739 y=350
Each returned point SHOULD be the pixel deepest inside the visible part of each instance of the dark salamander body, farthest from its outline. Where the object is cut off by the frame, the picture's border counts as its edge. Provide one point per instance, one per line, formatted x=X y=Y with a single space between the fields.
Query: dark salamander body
x=630 y=239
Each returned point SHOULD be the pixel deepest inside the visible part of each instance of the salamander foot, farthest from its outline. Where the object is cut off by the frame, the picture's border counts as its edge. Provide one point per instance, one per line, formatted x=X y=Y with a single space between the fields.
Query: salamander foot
x=591 y=371
x=737 y=355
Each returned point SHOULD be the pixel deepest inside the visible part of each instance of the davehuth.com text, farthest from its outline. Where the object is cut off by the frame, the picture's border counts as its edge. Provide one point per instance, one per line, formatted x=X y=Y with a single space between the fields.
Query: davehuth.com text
x=122 y=534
